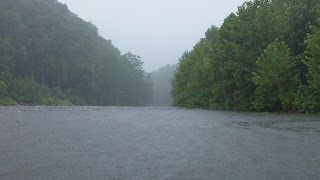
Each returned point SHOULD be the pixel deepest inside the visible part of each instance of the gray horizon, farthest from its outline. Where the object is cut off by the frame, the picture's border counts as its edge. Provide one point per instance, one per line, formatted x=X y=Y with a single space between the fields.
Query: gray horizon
x=158 y=31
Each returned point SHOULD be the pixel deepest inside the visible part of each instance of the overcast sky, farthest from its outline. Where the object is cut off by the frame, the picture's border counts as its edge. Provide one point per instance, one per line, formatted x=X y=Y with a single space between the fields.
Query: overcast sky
x=157 y=30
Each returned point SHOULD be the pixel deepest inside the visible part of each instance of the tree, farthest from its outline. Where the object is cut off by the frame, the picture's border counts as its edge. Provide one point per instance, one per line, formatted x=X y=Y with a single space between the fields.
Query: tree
x=308 y=97
x=162 y=85
x=135 y=62
x=46 y=45
x=180 y=81
x=313 y=56
x=274 y=78
x=225 y=61
x=3 y=90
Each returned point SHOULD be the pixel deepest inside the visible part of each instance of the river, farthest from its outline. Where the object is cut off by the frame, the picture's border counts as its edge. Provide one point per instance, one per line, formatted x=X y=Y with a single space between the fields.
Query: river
x=156 y=143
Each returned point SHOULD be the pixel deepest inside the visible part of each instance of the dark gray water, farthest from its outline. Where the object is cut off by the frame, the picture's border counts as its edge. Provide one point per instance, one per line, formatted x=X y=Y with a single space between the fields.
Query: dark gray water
x=156 y=143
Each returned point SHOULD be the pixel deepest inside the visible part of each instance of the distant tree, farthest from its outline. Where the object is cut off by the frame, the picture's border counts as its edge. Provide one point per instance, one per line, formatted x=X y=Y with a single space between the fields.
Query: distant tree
x=135 y=62
x=162 y=85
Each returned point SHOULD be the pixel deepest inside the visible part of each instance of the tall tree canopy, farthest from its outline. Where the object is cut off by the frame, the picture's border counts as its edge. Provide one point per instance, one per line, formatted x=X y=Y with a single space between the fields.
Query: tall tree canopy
x=264 y=57
x=274 y=78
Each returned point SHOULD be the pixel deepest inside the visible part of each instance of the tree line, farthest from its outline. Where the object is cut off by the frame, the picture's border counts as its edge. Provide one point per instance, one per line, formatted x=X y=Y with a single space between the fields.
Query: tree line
x=265 y=57
x=50 y=56
x=162 y=85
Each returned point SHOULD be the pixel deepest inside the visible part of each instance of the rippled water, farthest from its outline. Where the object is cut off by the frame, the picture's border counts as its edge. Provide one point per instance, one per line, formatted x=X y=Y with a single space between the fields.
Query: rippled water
x=156 y=143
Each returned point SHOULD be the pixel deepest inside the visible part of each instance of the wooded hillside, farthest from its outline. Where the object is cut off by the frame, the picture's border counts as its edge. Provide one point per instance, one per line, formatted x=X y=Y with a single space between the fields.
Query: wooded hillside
x=48 y=55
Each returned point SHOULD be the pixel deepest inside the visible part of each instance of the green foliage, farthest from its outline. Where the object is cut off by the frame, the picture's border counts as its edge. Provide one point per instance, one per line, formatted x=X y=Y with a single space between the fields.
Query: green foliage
x=274 y=78
x=230 y=74
x=7 y=102
x=189 y=88
x=226 y=70
x=309 y=97
x=28 y=91
x=25 y=90
x=3 y=90
x=313 y=57
x=4 y=98
x=57 y=92
x=135 y=89
x=191 y=82
x=54 y=101
x=74 y=97
x=180 y=81
x=44 y=40
x=306 y=99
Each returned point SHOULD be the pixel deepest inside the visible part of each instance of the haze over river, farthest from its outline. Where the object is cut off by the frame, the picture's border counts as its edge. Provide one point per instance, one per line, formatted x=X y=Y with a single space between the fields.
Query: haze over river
x=156 y=143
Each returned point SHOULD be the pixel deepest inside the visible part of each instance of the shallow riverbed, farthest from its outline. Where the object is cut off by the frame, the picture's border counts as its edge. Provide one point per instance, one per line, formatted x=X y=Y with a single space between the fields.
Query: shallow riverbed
x=156 y=143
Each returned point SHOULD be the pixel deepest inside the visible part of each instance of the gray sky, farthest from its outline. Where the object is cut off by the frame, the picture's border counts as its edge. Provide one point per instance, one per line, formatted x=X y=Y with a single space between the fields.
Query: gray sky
x=157 y=30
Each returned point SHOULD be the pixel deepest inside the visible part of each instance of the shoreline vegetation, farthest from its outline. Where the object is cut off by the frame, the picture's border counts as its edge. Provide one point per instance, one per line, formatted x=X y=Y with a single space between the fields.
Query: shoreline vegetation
x=263 y=58
x=49 y=56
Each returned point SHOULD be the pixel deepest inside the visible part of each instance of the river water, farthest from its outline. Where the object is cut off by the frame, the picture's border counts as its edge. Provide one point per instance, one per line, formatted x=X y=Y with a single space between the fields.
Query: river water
x=156 y=143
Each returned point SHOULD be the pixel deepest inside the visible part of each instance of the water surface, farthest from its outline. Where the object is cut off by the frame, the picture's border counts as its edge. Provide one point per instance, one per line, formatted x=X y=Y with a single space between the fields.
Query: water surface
x=156 y=143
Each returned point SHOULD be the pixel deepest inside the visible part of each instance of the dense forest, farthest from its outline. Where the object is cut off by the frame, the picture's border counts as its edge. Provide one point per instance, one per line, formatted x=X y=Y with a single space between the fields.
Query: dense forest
x=50 y=56
x=266 y=57
x=162 y=85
